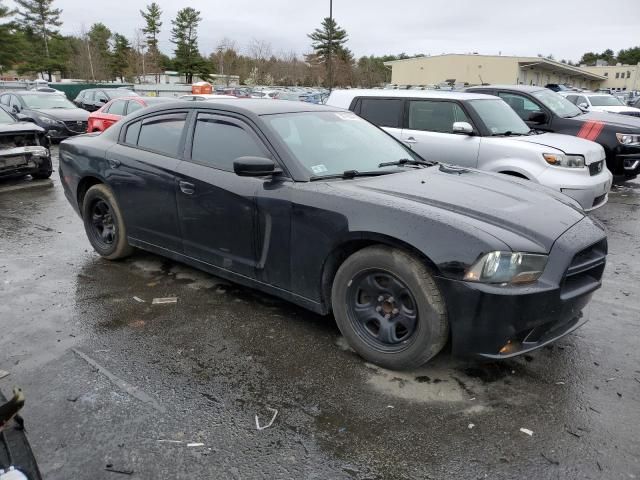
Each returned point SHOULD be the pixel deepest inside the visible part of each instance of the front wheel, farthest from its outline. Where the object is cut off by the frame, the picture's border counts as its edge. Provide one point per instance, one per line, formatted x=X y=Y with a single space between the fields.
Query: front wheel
x=104 y=223
x=389 y=308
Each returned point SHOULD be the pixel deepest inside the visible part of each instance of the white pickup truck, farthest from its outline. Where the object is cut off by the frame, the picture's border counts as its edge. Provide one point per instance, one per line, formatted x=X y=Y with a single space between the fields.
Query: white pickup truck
x=482 y=131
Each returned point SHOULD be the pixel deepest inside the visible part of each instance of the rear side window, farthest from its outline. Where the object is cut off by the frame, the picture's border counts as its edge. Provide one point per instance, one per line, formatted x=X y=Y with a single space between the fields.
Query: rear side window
x=162 y=133
x=431 y=116
x=133 y=130
x=80 y=96
x=384 y=112
x=88 y=96
x=117 y=107
x=572 y=98
x=133 y=107
x=217 y=142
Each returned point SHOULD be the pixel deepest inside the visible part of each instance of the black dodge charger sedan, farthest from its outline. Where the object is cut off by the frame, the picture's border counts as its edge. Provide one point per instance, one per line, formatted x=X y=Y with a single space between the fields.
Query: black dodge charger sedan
x=318 y=206
x=543 y=109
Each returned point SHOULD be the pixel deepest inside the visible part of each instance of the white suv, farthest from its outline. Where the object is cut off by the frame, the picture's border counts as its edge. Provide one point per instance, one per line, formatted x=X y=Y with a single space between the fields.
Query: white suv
x=600 y=102
x=482 y=131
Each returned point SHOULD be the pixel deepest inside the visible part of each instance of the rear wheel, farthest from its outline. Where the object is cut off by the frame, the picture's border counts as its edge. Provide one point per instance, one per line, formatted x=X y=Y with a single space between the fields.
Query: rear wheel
x=104 y=223
x=389 y=308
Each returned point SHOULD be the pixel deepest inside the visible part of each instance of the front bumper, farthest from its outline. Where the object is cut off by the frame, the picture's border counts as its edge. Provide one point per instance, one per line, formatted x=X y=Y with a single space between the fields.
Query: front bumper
x=24 y=160
x=496 y=322
x=590 y=191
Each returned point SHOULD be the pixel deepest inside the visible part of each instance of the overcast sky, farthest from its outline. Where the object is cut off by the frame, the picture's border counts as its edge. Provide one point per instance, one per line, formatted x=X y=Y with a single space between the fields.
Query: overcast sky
x=565 y=29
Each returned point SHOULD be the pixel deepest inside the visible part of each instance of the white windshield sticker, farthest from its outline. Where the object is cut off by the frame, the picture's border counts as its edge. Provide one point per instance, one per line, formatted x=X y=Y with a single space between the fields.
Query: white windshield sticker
x=319 y=169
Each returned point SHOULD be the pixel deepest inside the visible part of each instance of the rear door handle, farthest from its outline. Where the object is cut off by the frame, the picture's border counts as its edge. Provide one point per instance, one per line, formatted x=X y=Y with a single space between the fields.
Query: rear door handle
x=114 y=163
x=411 y=140
x=187 y=188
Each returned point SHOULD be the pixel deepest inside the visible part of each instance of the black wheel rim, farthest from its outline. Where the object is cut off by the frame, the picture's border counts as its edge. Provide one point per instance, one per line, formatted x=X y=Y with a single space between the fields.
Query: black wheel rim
x=102 y=225
x=382 y=310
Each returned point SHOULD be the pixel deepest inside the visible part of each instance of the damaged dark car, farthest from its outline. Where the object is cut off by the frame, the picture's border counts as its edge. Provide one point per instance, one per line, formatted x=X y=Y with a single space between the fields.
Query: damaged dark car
x=320 y=207
x=24 y=148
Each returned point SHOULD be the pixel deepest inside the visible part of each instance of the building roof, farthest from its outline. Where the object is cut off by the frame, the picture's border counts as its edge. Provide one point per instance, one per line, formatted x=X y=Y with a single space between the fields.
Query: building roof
x=541 y=62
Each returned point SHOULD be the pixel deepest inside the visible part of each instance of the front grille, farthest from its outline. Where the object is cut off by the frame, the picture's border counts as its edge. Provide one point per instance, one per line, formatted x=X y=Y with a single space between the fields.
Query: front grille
x=596 y=167
x=633 y=114
x=78 y=127
x=585 y=271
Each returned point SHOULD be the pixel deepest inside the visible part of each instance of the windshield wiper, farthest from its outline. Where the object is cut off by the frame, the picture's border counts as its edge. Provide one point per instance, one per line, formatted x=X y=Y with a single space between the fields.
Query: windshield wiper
x=349 y=174
x=407 y=161
x=508 y=133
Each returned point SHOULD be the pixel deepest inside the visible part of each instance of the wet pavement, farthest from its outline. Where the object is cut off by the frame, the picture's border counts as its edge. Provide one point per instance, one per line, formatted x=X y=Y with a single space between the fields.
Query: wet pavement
x=173 y=390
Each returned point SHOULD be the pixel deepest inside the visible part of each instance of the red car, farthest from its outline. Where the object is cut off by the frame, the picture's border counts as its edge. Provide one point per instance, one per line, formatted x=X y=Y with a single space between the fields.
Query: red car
x=117 y=108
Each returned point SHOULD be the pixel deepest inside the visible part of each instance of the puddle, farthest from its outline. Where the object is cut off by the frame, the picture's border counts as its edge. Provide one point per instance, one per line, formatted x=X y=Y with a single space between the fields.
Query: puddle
x=427 y=384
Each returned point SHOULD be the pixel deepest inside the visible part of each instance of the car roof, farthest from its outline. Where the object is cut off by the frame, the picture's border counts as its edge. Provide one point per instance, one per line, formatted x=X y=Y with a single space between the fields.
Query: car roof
x=249 y=106
x=436 y=94
x=521 y=88
x=28 y=92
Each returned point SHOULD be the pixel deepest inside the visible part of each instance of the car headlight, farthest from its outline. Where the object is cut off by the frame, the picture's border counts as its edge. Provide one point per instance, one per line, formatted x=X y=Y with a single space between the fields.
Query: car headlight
x=562 y=160
x=507 y=267
x=48 y=120
x=628 y=138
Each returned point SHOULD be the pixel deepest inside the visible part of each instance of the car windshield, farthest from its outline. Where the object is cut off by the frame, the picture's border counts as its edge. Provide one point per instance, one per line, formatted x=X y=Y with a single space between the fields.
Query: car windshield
x=121 y=93
x=557 y=103
x=47 y=101
x=5 y=117
x=605 y=101
x=499 y=117
x=329 y=143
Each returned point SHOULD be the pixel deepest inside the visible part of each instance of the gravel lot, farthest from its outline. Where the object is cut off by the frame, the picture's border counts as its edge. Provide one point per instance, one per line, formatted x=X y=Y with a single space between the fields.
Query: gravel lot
x=114 y=380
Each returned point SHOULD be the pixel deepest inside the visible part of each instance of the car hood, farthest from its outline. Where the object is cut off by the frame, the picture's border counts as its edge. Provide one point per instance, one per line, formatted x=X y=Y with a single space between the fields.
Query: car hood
x=508 y=208
x=20 y=127
x=615 y=109
x=64 y=114
x=591 y=151
x=625 y=123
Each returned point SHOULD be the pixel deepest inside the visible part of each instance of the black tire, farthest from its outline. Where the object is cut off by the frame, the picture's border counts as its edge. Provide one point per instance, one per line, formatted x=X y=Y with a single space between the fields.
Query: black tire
x=415 y=323
x=42 y=174
x=104 y=224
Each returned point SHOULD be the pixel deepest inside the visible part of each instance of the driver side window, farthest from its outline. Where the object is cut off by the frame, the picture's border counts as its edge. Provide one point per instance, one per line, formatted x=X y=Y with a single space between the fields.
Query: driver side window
x=521 y=105
x=101 y=97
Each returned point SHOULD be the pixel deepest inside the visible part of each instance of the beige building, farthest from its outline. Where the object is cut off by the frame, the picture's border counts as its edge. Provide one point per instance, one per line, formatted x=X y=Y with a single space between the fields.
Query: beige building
x=619 y=77
x=479 y=69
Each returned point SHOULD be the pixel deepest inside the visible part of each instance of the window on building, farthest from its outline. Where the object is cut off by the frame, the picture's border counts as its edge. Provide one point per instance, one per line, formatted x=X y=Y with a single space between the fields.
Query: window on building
x=617 y=74
x=606 y=74
x=628 y=74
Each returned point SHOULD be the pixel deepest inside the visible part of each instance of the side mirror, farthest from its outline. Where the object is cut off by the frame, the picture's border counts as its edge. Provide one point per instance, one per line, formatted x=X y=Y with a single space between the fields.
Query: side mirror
x=254 y=167
x=15 y=109
x=538 y=117
x=24 y=118
x=463 y=128
x=584 y=105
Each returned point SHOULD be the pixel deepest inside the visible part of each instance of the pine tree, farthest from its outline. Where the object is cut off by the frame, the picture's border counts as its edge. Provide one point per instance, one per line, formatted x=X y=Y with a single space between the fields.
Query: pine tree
x=328 y=43
x=185 y=36
x=10 y=40
x=151 y=30
x=99 y=36
x=121 y=56
x=40 y=19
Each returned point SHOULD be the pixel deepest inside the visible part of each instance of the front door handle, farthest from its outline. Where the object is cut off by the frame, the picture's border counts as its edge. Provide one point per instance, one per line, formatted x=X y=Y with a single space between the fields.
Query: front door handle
x=114 y=163
x=411 y=140
x=187 y=188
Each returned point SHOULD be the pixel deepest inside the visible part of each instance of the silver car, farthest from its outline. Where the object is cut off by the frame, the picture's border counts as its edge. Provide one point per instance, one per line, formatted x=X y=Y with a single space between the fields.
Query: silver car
x=482 y=131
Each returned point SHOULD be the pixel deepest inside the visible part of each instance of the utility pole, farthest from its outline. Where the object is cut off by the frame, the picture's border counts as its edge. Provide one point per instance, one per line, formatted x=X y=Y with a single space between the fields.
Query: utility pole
x=330 y=44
